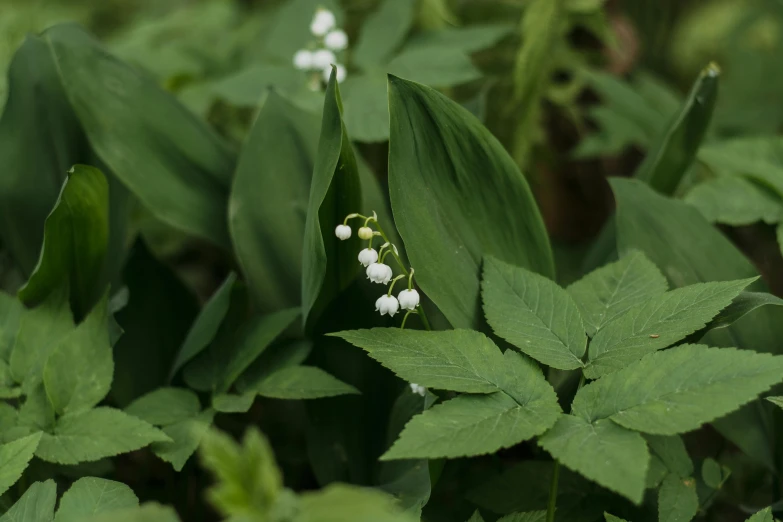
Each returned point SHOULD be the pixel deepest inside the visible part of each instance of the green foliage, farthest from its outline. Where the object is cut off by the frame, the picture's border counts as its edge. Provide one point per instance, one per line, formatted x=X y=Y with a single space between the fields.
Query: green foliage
x=91 y=496
x=14 y=458
x=677 y=499
x=765 y=515
x=36 y=505
x=303 y=382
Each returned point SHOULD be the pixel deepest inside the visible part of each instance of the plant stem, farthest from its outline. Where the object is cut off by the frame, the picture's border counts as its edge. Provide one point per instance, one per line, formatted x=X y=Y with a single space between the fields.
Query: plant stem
x=550 y=510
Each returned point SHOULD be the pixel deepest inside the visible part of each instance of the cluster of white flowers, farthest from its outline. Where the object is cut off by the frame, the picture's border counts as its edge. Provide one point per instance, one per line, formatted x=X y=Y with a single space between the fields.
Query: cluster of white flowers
x=418 y=388
x=329 y=39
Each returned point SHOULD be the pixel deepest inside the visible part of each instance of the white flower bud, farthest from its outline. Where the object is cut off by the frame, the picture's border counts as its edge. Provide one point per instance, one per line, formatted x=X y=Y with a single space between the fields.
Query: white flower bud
x=323 y=22
x=368 y=256
x=336 y=40
x=409 y=299
x=343 y=232
x=323 y=59
x=303 y=60
x=340 y=74
x=387 y=304
x=364 y=233
x=417 y=388
x=379 y=273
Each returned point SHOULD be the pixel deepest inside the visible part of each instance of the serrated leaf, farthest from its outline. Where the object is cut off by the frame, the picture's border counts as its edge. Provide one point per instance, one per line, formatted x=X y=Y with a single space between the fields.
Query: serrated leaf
x=36 y=505
x=14 y=458
x=606 y=293
x=671 y=450
x=656 y=472
x=658 y=323
x=612 y=518
x=534 y=516
x=186 y=436
x=711 y=473
x=742 y=305
x=457 y=199
x=382 y=33
x=476 y=517
x=677 y=500
x=534 y=314
x=475 y=425
x=436 y=66
x=94 y=434
x=733 y=200
x=602 y=451
x=165 y=406
x=230 y=403
x=343 y=503
x=303 y=382
x=90 y=496
x=680 y=389
x=765 y=515
x=87 y=348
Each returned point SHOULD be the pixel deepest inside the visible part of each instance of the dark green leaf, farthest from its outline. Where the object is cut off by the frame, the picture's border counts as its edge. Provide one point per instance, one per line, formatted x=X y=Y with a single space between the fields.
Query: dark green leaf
x=711 y=473
x=10 y=312
x=436 y=66
x=165 y=406
x=342 y=503
x=366 y=107
x=533 y=516
x=36 y=505
x=677 y=500
x=230 y=403
x=276 y=357
x=303 y=382
x=751 y=157
x=466 y=39
x=382 y=33
x=735 y=201
x=671 y=450
x=186 y=436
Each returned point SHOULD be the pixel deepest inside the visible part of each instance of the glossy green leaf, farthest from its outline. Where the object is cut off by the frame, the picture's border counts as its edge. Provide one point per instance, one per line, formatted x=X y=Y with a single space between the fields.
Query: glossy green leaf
x=765 y=515
x=602 y=451
x=186 y=436
x=76 y=235
x=670 y=449
x=677 y=500
x=382 y=33
x=165 y=406
x=91 y=435
x=91 y=496
x=657 y=323
x=14 y=458
x=329 y=264
x=176 y=166
x=303 y=382
x=36 y=505
x=534 y=314
x=457 y=196
x=436 y=66
x=606 y=293
x=678 y=390
x=267 y=210
x=343 y=503
x=735 y=201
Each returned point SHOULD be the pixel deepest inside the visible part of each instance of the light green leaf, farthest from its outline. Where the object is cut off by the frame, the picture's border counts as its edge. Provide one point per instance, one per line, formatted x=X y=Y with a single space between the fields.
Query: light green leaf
x=602 y=451
x=175 y=164
x=329 y=264
x=677 y=500
x=457 y=196
x=608 y=292
x=91 y=435
x=303 y=382
x=366 y=107
x=671 y=450
x=10 y=313
x=382 y=33
x=149 y=512
x=36 y=505
x=735 y=201
x=248 y=87
x=165 y=406
x=480 y=424
x=680 y=389
x=186 y=436
x=36 y=412
x=87 y=349
x=14 y=458
x=778 y=401
x=711 y=473
x=757 y=158
x=656 y=472
x=466 y=39
x=230 y=403
x=436 y=66
x=267 y=211
x=657 y=323
x=343 y=503
x=612 y=518
x=90 y=496
x=534 y=314
x=476 y=517
x=765 y=515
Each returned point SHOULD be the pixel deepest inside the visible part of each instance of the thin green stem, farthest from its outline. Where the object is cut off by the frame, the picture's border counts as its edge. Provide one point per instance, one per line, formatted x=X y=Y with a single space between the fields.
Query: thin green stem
x=550 y=510
x=410 y=280
x=391 y=285
x=404 y=319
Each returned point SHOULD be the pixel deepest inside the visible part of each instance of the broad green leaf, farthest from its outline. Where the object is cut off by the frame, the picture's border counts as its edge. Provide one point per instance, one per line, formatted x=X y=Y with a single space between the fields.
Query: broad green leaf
x=457 y=360
x=436 y=66
x=534 y=314
x=466 y=39
x=78 y=373
x=735 y=201
x=711 y=473
x=657 y=323
x=480 y=424
x=303 y=382
x=602 y=451
x=248 y=87
x=765 y=515
x=90 y=496
x=757 y=158
x=10 y=312
x=149 y=512
x=94 y=434
x=248 y=482
x=533 y=516
x=174 y=164
x=343 y=503
x=290 y=30
x=165 y=406
x=230 y=403
x=671 y=450
x=186 y=436
x=457 y=196
x=14 y=458
x=36 y=505
x=40 y=329
x=673 y=152
x=656 y=472
x=743 y=304
x=267 y=211
x=608 y=292
x=476 y=517
x=329 y=265
x=680 y=389
x=677 y=499
x=36 y=412
x=206 y=325
x=76 y=235
x=382 y=33
x=612 y=518
x=366 y=107
x=276 y=357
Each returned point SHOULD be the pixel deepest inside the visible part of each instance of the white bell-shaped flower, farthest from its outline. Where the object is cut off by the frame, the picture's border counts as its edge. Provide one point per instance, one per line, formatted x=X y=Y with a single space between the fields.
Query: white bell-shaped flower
x=336 y=40
x=343 y=232
x=379 y=273
x=417 y=388
x=368 y=256
x=303 y=60
x=323 y=22
x=409 y=299
x=323 y=59
x=387 y=304
x=364 y=233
